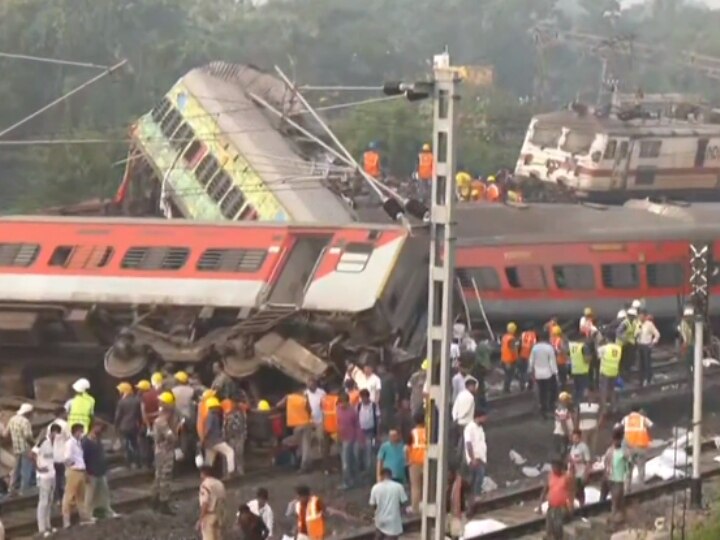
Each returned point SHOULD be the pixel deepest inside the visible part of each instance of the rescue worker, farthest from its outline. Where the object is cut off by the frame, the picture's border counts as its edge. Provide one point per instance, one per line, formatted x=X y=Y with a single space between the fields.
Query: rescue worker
x=424 y=172
x=298 y=419
x=212 y=505
x=416 y=385
x=492 y=192
x=165 y=438
x=509 y=348
x=149 y=409
x=625 y=336
x=637 y=438
x=477 y=190
x=592 y=336
x=371 y=161
x=647 y=336
x=310 y=513
x=463 y=185
x=184 y=395
x=235 y=432
x=417 y=450
x=586 y=321
x=528 y=339
x=329 y=404
x=686 y=333
x=352 y=391
x=579 y=368
x=610 y=354
x=127 y=421
x=82 y=407
x=202 y=412
x=560 y=344
x=214 y=438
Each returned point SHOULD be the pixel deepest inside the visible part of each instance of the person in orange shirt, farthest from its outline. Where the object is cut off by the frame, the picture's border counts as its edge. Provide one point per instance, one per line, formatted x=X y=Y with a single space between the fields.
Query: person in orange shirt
x=509 y=347
x=424 y=173
x=416 y=453
x=527 y=339
x=477 y=190
x=492 y=193
x=310 y=512
x=372 y=162
x=352 y=392
x=562 y=351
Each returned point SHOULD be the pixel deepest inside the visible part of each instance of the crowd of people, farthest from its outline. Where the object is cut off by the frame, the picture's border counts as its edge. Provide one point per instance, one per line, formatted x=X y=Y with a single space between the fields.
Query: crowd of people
x=377 y=425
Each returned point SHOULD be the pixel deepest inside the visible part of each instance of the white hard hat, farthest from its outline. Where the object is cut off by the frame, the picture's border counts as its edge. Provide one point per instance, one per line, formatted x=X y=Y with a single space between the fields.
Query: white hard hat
x=632 y=311
x=25 y=408
x=621 y=314
x=81 y=385
x=636 y=304
x=688 y=312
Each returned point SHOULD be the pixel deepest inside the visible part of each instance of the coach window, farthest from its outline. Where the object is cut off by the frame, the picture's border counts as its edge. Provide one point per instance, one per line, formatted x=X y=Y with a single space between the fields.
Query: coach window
x=183 y=136
x=610 y=149
x=645 y=176
x=231 y=260
x=623 y=149
x=219 y=186
x=160 y=110
x=574 y=277
x=22 y=255
x=485 y=278
x=207 y=169
x=578 y=142
x=620 y=276
x=155 y=258
x=650 y=149
x=527 y=276
x=665 y=275
x=545 y=136
x=193 y=153
x=232 y=203
x=171 y=122
x=354 y=257
x=81 y=256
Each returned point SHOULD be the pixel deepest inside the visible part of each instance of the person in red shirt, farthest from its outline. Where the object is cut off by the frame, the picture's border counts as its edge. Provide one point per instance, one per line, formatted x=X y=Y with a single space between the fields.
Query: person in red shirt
x=149 y=409
x=558 y=490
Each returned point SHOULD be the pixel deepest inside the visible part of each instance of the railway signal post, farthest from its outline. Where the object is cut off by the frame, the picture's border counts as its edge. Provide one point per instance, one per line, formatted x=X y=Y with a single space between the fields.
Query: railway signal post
x=440 y=301
x=699 y=273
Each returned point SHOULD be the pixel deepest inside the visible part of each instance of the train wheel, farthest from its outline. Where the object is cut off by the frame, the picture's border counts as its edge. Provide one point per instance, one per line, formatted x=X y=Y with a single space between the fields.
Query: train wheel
x=123 y=364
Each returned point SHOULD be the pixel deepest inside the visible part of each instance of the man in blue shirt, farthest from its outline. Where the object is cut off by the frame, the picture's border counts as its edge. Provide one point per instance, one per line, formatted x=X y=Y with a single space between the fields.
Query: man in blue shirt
x=392 y=456
x=387 y=498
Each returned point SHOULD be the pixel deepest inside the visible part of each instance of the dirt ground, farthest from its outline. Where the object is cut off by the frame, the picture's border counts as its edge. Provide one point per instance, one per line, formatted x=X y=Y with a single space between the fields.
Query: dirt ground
x=531 y=438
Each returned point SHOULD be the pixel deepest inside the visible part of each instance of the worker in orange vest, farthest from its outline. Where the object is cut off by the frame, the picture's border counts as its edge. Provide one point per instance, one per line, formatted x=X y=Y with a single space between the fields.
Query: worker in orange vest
x=416 y=452
x=329 y=405
x=371 y=161
x=527 y=340
x=202 y=413
x=352 y=391
x=477 y=190
x=298 y=418
x=509 y=347
x=562 y=351
x=424 y=172
x=310 y=512
x=492 y=193
x=637 y=437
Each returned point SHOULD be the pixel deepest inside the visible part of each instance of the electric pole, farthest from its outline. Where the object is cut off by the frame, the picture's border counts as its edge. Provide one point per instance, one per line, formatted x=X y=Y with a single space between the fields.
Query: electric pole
x=699 y=272
x=440 y=298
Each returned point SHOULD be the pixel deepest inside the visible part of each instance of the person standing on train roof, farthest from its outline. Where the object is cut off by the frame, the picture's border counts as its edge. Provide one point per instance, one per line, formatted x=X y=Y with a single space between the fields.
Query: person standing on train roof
x=625 y=335
x=528 y=339
x=372 y=161
x=686 y=330
x=492 y=192
x=424 y=171
x=560 y=344
x=543 y=368
x=509 y=347
x=81 y=409
x=647 y=337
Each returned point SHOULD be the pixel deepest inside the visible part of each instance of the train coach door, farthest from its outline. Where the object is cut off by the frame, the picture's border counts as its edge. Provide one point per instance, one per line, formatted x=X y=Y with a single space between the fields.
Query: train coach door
x=622 y=162
x=701 y=152
x=298 y=268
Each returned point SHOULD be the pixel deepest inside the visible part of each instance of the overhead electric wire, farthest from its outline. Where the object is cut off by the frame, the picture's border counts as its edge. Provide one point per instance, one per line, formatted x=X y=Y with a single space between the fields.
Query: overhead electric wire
x=48 y=60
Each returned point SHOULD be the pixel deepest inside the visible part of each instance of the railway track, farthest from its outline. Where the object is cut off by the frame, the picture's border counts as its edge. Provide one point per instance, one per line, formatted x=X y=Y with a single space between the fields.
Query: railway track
x=515 y=507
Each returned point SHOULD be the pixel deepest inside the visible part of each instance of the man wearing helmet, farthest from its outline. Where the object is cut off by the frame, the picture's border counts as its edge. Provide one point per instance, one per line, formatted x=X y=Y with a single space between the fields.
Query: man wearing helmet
x=165 y=437
x=424 y=172
x=127 y=422
x=371 y=161
x=81 y=408
x=509 y=352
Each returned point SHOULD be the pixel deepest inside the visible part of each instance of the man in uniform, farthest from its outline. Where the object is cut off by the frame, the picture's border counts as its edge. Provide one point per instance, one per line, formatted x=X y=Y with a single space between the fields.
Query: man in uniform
x=212 y=505
x=166 y=439
x=425 y=171
x=687 y=339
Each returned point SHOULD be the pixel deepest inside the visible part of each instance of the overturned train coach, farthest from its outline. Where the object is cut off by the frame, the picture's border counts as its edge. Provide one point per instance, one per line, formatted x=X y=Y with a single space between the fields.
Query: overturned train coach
x=156 y=291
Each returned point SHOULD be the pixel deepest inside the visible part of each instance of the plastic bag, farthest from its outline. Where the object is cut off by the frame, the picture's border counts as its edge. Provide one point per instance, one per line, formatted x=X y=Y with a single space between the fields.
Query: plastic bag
x=199 y=461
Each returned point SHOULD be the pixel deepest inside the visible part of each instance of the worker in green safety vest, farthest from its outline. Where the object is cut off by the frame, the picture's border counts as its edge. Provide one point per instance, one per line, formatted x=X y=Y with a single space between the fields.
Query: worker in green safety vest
x=610 y=355
x=81 y=408
x=580 y=357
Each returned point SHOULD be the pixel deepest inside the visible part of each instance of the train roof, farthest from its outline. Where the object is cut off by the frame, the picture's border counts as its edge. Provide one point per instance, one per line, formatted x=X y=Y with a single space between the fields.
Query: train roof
x=638 y=127
x=497 y=224
x=290 y=174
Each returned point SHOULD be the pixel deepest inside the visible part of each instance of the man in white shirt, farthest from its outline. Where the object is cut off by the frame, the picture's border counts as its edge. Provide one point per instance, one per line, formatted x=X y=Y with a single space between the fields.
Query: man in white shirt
x=476 y=451
x=543 y=367
x=647 y=336
x=261 y=508
x=59 y=450
x=458 y=381
x=373 y=384
x=76 y=478
x=315 y=395
x=463 y=410
x=42 y=454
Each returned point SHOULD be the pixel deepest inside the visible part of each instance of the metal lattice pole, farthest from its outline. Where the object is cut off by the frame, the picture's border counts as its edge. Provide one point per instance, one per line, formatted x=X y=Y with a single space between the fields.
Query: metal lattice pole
x=699 y=266
x=440 y=302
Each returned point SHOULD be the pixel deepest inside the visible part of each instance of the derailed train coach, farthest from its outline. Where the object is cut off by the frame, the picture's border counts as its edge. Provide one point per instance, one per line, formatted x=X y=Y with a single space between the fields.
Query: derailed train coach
x=168 y=291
